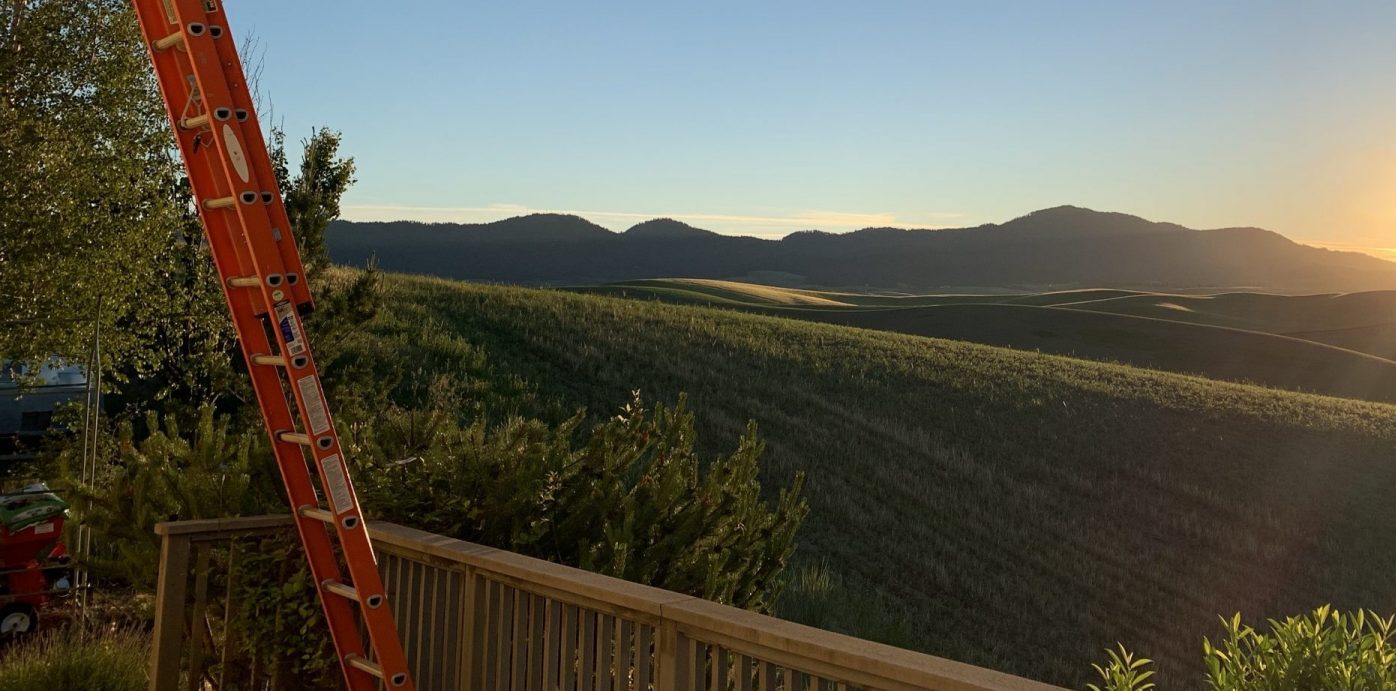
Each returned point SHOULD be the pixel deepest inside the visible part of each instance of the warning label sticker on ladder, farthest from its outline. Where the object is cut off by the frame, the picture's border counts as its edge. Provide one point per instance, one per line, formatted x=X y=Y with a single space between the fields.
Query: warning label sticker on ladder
x=289 y=327
x=314 y=405
x=332 y=475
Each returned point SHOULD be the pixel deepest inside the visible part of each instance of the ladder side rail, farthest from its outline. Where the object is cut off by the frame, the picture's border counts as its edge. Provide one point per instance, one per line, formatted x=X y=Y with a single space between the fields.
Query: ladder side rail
x=232 y=150
x=170 y=76
x=246 y=112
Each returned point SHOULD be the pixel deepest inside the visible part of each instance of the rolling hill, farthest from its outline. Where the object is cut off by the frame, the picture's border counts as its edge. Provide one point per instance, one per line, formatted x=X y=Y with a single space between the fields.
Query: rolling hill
x=1015 y=510
x=1239 y=337
x=1279 y=314
x=1053 y=249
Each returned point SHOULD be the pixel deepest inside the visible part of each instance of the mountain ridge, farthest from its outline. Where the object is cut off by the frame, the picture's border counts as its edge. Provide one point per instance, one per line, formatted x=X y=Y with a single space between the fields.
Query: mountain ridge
x=1051 y=249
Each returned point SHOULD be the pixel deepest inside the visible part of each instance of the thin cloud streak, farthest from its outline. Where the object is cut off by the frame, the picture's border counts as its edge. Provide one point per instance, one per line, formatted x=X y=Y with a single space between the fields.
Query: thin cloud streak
x=1388 y=253
x=619 y=220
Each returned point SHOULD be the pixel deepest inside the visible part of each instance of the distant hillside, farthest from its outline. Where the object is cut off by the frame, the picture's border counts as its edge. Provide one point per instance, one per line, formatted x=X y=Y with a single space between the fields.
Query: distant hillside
x=1054 y=249
x=1008 y=509
x=1302 y=343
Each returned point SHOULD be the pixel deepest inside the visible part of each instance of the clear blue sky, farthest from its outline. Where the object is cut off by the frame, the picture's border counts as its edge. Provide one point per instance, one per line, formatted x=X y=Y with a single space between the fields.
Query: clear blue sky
x=763 y=117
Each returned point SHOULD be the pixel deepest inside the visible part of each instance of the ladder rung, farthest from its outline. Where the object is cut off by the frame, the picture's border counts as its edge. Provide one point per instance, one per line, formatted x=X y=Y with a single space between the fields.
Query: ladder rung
x=345 y=591
x=221 y=203
x=317 y=514
x=349 y=521
x=271 y=360
x=362 y=663
x=195 y=122
x=245 y=282
x=168 y=42
x=294 y=438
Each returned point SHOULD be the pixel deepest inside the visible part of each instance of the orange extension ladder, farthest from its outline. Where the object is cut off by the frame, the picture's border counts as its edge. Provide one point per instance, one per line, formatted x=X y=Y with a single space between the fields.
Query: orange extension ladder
x=211 y=110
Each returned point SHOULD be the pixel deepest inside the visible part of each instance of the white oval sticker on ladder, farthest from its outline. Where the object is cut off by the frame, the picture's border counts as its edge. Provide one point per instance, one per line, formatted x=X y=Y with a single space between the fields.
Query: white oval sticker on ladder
x=230 y=140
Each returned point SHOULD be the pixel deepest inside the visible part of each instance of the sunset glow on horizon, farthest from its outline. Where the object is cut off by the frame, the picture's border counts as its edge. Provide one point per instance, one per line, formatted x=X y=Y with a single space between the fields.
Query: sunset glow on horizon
x=762 y=119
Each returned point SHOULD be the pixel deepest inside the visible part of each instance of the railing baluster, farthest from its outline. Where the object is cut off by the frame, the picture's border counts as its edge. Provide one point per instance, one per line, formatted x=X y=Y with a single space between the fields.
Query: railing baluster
x=473 y=624
x=452 y=631
x=646 y=655
x=605 y=637
x=570 y=624
x=538 y=615
x=428 y=674
x=766 y=676
x=518 y=636
x=720 y=660
x=490 y=644
x=588 y=650
x=625 y=660
x=229 y=632
x=415 y=645
x=552 y=651
x=698 y=653
x=504 y=636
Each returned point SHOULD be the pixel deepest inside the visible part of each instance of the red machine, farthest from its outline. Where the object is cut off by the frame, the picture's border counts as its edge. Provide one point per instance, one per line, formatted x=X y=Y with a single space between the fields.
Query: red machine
x=33 y=558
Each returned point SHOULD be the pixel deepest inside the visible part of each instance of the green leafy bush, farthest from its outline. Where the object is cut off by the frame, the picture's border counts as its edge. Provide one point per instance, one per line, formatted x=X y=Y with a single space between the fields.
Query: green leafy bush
x=75 y=659
x=178 y=470
x=630 y=498
x=1326 y=650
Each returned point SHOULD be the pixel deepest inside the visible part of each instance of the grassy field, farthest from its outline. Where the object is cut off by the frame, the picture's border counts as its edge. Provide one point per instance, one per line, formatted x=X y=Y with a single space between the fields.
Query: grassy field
x=1280 y=314
x=1015 y=510
x=1318 y=344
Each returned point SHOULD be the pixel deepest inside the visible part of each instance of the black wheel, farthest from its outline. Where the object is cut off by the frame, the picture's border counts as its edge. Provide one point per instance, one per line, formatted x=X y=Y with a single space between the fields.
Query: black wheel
x=18 y=619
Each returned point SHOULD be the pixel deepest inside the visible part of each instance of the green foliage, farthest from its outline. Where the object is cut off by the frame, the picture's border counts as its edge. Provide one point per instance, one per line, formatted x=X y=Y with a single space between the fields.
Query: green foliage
x=76 y=659
x=86 y=180
x=312 y=196
x=174 y=472
x=631 y=500
x=1123 y=672
x=1324 y=650
x=176 y=468
x=277 y=612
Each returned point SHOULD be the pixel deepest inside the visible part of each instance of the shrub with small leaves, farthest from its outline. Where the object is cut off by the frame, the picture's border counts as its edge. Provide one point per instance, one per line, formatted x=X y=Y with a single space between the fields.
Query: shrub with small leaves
x=1326 y=650
x=630 y=498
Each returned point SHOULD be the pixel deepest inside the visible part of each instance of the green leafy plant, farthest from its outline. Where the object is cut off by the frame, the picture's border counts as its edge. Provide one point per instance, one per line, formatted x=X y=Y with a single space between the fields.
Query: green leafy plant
x=1326 y=649
x=1123 y=672
x=177 y=469
x=1322 y=651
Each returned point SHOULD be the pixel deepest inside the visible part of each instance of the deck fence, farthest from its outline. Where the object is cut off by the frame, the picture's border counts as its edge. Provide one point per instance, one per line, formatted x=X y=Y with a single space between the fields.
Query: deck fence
x=484 y=619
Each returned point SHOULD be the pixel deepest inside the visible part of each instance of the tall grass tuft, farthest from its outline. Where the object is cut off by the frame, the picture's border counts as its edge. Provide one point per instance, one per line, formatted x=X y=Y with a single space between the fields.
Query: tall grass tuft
x=74 y=659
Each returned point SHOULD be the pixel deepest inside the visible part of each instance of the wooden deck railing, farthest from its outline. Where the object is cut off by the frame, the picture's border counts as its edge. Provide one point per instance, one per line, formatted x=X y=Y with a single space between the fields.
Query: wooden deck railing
x=482 y=619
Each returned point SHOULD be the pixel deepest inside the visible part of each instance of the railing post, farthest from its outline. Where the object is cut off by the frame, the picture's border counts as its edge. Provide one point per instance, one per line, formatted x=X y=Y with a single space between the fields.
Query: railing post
x=472 y=632
x=671 y=658
x=167 y=648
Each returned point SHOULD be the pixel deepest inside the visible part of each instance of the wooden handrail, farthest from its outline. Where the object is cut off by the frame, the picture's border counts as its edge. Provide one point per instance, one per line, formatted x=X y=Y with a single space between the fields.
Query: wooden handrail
x=223 y=528
x=690 y=636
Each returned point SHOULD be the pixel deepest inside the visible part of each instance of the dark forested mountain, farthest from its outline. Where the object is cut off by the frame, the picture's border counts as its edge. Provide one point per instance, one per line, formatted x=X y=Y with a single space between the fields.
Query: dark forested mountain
x=1053 y=249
